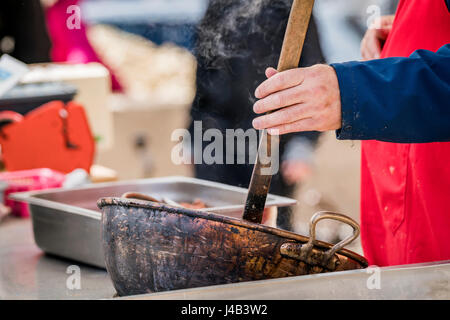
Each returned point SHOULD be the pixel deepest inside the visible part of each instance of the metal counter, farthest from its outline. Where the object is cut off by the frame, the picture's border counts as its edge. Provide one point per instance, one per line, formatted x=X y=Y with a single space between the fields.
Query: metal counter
x=412 y=282
x=67 y=222
x=27 y=273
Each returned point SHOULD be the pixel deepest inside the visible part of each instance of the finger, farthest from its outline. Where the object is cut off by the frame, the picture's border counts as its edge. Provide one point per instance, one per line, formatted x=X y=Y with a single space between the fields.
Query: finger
x=382 y=34
x=280 y=117
x=270 y=72
x=367 y=54
x=364 y=51
x=373 y=48
x=289 y=178
x=280 y=81
x=280 y=99
x=387 y=22
x=295 y=171
x=307 y=124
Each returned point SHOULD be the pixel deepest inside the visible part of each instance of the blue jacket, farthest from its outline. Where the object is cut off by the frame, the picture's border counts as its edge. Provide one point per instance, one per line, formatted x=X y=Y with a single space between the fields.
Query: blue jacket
x=404 y=100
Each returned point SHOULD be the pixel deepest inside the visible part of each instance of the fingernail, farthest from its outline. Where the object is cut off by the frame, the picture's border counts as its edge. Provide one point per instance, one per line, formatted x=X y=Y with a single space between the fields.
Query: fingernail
x=255 y=108
x=257 y=93
x=256 y=123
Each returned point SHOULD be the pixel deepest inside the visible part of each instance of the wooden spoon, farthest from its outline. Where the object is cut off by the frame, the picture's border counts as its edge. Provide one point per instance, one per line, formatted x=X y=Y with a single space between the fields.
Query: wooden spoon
x=289 y=59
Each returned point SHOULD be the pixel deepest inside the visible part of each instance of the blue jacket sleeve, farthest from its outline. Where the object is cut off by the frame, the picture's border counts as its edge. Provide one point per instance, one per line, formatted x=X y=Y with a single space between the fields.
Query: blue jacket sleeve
x=404 y=100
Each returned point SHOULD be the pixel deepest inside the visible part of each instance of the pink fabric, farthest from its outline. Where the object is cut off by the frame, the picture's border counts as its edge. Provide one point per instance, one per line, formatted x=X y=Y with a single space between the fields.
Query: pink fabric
x=70 y=45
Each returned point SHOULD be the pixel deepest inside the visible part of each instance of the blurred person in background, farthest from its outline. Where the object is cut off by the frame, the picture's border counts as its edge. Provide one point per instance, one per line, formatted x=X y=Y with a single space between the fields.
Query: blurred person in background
x=68 y=35
x=235 y=41
x=397 y=101
x=23 y=32
x=37 y=31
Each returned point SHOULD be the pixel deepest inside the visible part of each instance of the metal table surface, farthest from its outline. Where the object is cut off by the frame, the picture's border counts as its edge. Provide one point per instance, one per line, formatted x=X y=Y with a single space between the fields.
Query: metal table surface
x=412 y=282
x=27 y=273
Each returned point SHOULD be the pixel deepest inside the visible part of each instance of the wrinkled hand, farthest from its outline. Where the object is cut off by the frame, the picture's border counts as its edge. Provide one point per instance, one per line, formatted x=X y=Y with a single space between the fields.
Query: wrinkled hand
x=295 y=171
x=376 y=35
x=305 y=99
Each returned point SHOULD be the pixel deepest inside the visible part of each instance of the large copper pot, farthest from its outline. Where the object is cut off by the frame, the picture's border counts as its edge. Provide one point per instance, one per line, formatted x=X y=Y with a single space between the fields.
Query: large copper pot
x=152 y=247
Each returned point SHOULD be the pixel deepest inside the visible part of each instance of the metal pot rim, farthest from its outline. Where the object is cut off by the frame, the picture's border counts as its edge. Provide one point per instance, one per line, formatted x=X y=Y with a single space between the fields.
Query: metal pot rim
x=112 y=201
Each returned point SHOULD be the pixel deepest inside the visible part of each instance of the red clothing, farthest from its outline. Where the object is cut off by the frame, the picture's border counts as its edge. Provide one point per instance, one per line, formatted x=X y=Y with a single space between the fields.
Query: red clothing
x=405 y=188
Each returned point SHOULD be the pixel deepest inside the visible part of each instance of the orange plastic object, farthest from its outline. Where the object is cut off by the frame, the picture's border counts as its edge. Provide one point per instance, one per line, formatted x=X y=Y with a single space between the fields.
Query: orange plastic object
x=54 y=136
x=9 y=117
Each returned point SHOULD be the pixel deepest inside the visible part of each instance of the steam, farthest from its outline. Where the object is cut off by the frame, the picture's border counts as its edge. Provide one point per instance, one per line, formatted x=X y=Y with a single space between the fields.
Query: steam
x=236 y=41
x=229 y=26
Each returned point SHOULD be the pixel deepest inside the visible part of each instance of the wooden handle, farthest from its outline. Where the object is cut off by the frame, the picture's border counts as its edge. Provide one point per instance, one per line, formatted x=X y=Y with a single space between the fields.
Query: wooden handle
x=291 y=52
x=295 y=35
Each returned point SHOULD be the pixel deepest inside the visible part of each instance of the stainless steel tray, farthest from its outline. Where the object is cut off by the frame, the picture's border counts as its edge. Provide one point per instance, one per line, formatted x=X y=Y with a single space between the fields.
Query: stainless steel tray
x=66 y=222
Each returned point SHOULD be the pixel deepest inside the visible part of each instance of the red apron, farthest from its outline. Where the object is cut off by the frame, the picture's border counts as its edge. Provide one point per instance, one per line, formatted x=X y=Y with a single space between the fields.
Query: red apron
x=405 y=188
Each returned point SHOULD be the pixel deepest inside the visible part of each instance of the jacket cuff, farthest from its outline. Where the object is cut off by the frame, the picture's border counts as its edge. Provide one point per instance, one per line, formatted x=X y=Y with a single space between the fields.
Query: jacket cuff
x=349 y=101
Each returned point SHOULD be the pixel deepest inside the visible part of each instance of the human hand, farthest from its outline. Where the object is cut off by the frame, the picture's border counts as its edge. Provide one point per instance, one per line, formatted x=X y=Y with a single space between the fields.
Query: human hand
x=303 y=99
x=295 y=171
x=376 y=35
x=48 y=3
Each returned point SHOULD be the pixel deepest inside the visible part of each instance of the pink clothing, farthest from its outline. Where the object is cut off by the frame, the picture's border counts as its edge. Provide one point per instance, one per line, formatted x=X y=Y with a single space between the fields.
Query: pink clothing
x=68 y=36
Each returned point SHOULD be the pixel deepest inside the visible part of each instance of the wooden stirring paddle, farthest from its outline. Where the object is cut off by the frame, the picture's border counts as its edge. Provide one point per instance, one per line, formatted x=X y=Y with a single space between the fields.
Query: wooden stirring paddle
x=289 y=59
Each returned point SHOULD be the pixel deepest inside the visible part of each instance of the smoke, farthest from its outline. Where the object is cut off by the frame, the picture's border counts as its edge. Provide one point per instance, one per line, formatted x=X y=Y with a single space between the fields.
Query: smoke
x=235 y=42
x=235 y=28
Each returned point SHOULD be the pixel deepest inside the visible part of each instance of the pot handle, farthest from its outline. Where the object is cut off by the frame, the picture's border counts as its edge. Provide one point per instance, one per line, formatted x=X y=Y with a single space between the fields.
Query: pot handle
x=309 y=254
x=139 y=196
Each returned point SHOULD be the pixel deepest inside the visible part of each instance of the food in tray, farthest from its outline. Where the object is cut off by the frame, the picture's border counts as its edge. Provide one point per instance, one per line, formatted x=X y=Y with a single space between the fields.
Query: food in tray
x=196 y=205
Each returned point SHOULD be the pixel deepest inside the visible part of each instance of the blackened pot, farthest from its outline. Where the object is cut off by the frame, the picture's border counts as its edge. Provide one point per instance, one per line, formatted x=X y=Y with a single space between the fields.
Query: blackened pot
x=151 y=247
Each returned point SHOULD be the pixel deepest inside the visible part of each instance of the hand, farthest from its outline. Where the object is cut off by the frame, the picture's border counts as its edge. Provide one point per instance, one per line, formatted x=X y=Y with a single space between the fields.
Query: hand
x=373 y=41
x=295 y=171
x=48 y=3
x=305 y=99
